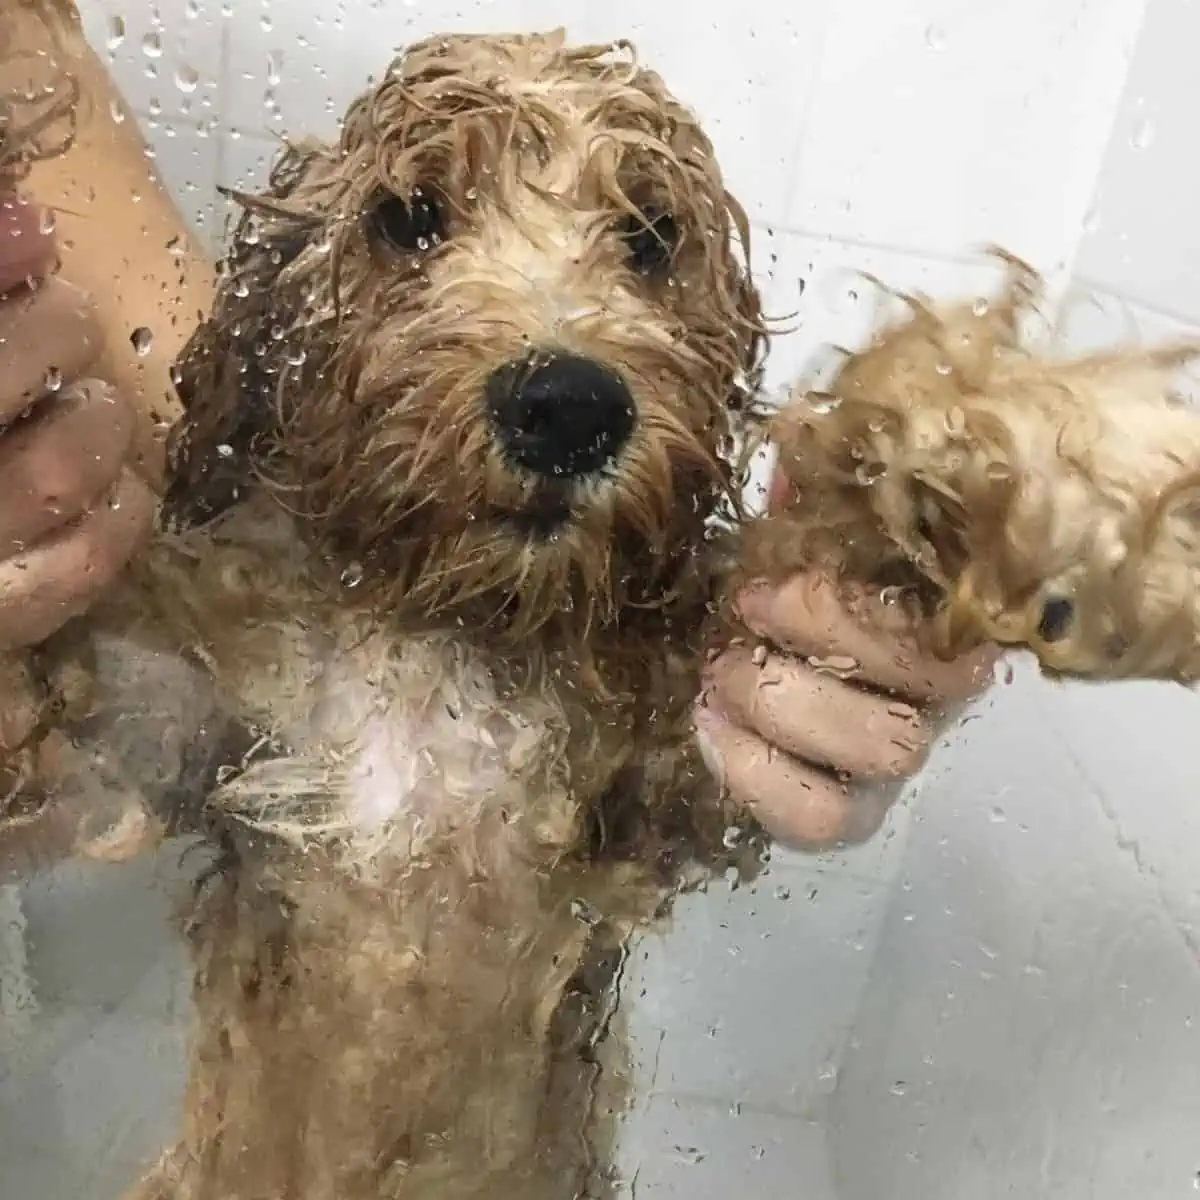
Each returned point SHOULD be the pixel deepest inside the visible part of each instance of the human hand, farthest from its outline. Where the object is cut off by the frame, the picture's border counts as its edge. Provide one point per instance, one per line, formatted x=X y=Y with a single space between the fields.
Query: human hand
x=72 y=509
x=814 y=732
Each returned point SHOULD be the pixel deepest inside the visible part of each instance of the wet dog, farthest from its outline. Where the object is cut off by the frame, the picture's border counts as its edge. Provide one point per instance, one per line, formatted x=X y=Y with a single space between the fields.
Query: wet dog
x=443 y=501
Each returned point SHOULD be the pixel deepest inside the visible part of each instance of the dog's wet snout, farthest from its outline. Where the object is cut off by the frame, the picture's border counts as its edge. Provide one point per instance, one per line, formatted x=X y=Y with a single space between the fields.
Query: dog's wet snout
x=560 y=415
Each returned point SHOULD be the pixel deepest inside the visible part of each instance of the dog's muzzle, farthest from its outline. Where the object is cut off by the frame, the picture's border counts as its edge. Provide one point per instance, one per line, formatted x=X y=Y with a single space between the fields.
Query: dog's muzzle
x=559 y=415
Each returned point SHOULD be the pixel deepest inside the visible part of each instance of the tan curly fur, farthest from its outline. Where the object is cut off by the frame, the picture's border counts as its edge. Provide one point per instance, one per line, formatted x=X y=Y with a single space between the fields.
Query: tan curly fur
x=440 y=699
x=1032 y=500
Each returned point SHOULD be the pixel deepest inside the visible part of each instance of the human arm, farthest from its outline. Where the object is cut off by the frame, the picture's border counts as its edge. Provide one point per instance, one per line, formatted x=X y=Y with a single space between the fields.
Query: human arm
x=74 y=499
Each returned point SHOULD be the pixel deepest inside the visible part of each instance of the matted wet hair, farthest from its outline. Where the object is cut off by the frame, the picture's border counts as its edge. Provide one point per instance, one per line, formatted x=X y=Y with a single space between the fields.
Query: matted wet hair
x=39 y=97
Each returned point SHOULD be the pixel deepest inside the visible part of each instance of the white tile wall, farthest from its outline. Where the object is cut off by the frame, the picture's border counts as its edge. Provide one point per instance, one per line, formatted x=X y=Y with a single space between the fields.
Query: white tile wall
x=1142 y=240
x=1029 y=1025
x=1010 y=966
x=936 y=124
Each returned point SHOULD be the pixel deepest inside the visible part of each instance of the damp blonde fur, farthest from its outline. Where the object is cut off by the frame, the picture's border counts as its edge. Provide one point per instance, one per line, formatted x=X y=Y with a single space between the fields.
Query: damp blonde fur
x=1010 y=495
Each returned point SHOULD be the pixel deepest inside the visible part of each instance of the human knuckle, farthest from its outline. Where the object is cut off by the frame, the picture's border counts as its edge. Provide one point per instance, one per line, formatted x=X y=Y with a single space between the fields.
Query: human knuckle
x=57 y=476
x=905 y=759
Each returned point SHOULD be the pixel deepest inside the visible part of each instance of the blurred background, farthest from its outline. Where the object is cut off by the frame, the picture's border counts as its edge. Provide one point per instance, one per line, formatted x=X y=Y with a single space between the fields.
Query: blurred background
x=1000 y=995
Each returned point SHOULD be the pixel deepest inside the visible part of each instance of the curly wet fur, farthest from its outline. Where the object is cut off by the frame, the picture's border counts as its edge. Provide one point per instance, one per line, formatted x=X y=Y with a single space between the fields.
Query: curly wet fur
x=475 y=775
x=38 y=118
x=1013 y=496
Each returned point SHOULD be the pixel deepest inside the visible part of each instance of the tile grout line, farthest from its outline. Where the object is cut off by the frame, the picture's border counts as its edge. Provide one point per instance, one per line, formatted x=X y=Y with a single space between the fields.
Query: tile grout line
x=807 y=1110
x=795 y=171
x=1099 y=287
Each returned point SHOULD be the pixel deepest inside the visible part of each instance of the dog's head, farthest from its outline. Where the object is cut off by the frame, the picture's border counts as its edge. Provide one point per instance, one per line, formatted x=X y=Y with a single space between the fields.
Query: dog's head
x=1051 y=503
x=493 y=347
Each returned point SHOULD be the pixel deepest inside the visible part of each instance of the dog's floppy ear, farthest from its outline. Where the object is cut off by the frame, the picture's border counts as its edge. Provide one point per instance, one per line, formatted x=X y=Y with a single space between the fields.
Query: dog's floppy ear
x=228 y=374
x=751 y=327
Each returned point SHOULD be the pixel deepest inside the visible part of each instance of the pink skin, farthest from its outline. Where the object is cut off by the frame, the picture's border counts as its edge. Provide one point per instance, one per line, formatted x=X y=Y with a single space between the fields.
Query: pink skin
x=814 y=734
x=27 y=250
x=71 y=509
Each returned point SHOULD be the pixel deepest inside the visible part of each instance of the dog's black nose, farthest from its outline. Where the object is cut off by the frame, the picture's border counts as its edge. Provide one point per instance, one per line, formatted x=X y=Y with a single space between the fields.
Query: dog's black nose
x=560 y=414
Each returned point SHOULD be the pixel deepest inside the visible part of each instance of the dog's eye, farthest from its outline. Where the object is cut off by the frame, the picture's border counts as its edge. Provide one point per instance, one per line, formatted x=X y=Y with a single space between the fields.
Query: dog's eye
x=651 y=240
x=1056 y=619
x=412 y=224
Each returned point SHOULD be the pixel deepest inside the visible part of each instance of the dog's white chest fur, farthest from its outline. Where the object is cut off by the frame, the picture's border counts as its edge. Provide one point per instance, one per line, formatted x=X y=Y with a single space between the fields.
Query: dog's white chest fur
x=406 y=739
x=421 y=728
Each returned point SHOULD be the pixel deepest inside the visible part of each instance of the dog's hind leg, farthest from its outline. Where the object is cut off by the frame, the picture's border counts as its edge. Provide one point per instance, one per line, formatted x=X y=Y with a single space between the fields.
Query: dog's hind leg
x=431 y=1039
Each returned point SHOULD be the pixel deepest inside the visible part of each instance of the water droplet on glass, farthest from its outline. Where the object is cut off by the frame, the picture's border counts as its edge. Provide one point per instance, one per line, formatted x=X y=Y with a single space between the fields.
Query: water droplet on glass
x=47 y=221
x=352 y=576
x=868 y=473
x=581 y=910
x=1003 y=672
x=114 y=501
x=943 y=368
x=841 y=665
x=956 y=421
x=142 y=340
x=935 y=37
x=1091 y=220
x=274 y=67
x=998 y=471
x=998 y=816
x=187 y=78
x=52 y=381
x=981 y=306
x=731 y=837
x=152 y=46
x=899 y=1088
x=225 y=450
x=116 y=32
x=1143 y=134
x=820 y=402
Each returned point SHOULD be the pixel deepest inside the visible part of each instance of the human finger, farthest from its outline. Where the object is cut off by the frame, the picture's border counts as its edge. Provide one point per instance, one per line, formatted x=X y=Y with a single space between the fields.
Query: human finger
x=43 y=587
x=815 y=716
x=27 y=244
x=56 y=462
x=48 y=336
x=798 y=804
x=808 y=615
